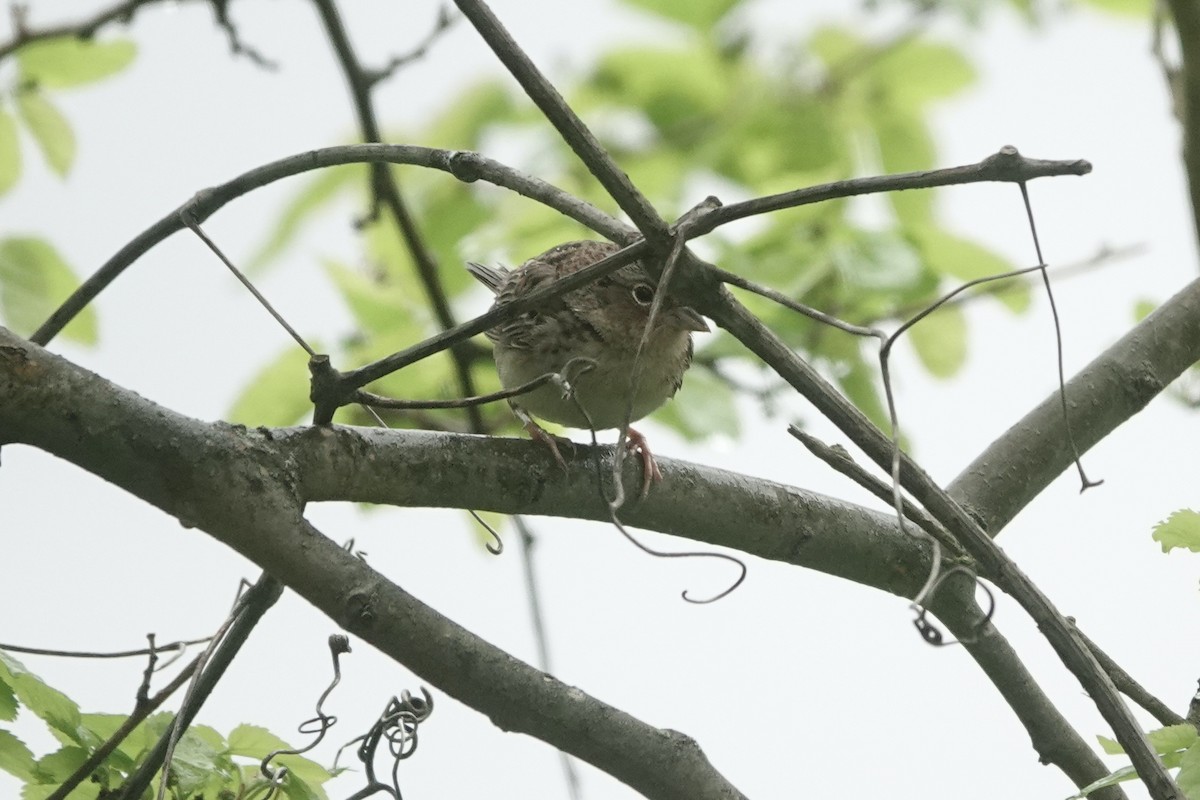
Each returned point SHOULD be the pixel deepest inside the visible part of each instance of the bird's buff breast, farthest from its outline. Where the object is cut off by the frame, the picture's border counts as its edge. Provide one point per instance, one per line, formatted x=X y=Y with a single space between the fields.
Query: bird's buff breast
x=603 y=391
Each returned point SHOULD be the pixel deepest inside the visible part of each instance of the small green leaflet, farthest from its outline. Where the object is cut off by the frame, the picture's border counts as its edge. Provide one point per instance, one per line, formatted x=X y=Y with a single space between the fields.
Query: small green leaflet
x=34 y=280
x=49 y=128
x=1181 y=529
x=10 y=152
x=70 y=61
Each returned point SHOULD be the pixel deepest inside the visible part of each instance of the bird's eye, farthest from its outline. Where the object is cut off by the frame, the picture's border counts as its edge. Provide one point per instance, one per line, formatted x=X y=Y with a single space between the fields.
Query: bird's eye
x=643 y=294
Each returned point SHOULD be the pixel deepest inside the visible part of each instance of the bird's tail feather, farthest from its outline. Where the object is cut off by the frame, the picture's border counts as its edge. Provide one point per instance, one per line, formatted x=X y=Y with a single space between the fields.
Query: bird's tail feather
x=491 y=277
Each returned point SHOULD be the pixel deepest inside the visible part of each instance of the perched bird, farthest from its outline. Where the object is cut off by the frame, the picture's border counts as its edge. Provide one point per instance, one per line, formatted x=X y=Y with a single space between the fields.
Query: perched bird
x=604 y=321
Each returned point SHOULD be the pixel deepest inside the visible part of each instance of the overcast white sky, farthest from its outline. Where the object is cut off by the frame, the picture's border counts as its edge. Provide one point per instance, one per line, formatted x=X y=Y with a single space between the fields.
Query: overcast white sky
x=794 y=682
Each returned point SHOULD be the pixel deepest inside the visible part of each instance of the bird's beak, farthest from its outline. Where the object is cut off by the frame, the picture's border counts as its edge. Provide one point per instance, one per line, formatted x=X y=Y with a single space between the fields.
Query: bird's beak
x=690 y=320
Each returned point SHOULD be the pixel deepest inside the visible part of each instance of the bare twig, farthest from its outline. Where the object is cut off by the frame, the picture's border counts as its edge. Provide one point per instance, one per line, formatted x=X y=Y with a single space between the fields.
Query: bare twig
x=1007 y=166
x=466 y=166
x=84 y=29
x=190 y=221
x=570 y=371
x=566 y=122
x=386 y=190
x=39 y=651
x=538 y=619
x=445 y=20
x=839 y=459
x=1128 y=686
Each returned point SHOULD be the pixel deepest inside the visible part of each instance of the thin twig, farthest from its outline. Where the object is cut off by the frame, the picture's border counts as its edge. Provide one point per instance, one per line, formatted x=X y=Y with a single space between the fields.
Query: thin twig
x=570 y=371
x=839 y=460
x=85 y=29
x=566 y=121
x=39 y=651
x=385 y=189
x=237 y=273
x=537 y=618
x=464 y=165
x=1062 y=372
x=1007 y=165
x=1128 y=686
x=445 y=20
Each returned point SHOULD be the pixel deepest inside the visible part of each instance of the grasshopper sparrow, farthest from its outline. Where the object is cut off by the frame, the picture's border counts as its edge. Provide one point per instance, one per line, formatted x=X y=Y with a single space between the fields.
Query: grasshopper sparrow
x=604 y=321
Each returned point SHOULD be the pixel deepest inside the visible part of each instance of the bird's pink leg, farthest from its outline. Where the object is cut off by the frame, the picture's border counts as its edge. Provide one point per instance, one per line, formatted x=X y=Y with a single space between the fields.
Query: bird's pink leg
x=636 y=443
x=538 y=434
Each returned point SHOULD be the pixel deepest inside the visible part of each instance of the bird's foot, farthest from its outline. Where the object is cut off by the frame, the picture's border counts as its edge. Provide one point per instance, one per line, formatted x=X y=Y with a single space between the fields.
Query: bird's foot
x=539 y=434
x=636 y=443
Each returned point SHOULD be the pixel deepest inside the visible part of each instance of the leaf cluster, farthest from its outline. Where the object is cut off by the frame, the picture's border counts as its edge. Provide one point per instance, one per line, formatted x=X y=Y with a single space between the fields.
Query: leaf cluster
x=710 y=110
x=206 y=764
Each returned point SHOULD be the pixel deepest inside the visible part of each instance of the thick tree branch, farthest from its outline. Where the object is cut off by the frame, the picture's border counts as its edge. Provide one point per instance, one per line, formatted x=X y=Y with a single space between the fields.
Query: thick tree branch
x=732 y=316
x=239 y=486
x=1117 y=384
x=1052 y=737
x=171 y=461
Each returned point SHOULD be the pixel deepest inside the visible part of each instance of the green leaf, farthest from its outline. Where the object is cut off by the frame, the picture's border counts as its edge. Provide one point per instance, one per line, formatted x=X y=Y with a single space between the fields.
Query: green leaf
x=880 y=261
x=1172 y=738
x=1112 y=779
x=34 y=280
x=1181 y=529
x=252 y=741
x=940 y=341
x=704 y=406
x=1125 y=8
x=860 y=385
x=679 y=90
x=49 y=129
x=699 y=14
x=905 y=145
x=834 y=45
x=278 y=395
x=320 y=191
x=10 y=152
x=71 y=61
x=1143 y=308
x=40 y=791
x=955 y=257
x=8 y=703
x=197 y=764
x=1165 y=741
x=1188 y=777
x=377 y=308
x=50 y=705
x=296 y=788
x=15 y=758
x=473 y=111
x=919 y=70
x=61 y=764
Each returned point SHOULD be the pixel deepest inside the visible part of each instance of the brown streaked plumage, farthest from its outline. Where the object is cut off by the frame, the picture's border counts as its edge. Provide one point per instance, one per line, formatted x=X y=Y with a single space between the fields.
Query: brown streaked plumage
x=604 y=322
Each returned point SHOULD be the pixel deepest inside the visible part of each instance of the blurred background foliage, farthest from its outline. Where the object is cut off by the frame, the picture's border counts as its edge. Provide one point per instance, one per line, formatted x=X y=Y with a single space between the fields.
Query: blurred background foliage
x=709 y=111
